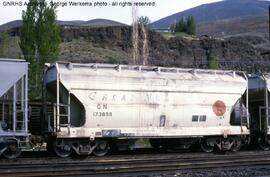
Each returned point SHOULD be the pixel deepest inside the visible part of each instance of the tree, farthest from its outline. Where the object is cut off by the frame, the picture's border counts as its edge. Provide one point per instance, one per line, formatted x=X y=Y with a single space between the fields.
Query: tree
x=145 y=21
x=181 y=26
x=47 y=35
x=185 y=26
x=39 y=40
x=191 y=26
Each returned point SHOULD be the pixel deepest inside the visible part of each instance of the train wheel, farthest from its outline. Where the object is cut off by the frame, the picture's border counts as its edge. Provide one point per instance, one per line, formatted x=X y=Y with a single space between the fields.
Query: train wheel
x=263 y=145
x=62 y=150
x=102 y=148
x=12 y=151
x=206 y=147
x=237 y=143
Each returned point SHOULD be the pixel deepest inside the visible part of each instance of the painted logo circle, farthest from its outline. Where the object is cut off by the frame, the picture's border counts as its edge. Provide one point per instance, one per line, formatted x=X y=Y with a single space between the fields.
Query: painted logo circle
x=219 y=108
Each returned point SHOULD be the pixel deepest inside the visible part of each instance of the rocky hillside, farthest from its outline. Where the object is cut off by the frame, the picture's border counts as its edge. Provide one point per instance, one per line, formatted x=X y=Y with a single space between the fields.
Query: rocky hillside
x=114 y=45
x=257 y=25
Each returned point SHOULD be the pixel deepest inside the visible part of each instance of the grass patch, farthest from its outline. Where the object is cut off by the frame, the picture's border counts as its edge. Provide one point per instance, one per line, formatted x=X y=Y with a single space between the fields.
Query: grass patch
x=168 y=35
x=79 y=50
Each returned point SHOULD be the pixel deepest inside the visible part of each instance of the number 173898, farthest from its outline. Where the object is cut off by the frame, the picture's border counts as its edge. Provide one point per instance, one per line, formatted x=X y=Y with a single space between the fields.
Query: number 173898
x=102 y=114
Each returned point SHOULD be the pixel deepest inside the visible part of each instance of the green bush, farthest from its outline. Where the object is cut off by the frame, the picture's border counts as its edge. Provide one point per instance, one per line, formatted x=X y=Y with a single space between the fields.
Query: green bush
x=213 y=62
x=112 y=60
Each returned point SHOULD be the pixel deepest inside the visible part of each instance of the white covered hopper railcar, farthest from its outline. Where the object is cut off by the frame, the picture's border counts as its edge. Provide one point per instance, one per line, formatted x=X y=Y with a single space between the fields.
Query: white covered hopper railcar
x=99 y=103
x=14 y=135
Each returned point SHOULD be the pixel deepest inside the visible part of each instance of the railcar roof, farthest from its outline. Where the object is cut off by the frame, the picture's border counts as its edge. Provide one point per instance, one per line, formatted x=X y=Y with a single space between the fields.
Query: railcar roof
x=145 y=68
x=12 y=60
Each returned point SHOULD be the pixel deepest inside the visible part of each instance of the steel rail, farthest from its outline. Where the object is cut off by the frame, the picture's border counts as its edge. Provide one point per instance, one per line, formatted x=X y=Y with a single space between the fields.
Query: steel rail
x=141 y=164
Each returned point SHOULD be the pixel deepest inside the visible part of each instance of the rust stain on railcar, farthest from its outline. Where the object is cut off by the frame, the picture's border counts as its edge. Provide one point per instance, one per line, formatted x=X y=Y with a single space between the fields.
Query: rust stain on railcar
x=219 y=108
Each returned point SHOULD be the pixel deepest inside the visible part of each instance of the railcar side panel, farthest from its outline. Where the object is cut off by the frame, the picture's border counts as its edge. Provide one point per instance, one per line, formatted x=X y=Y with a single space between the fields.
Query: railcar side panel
x=126 y=102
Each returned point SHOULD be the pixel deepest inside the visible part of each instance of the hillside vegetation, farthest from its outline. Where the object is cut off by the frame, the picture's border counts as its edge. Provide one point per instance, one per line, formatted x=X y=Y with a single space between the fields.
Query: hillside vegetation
x=114 y=45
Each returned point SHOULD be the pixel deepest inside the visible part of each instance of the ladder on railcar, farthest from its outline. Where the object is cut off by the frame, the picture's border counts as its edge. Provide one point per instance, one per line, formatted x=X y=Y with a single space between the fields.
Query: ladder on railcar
x=61 y=117
x=244 y=117
x=19 y=121
x=243 y=113
x=12 y=115
x=264 y=119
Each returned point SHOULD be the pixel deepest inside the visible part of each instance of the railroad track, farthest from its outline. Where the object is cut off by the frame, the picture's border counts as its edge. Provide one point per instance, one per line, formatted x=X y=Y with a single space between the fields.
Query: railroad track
x=116 y=165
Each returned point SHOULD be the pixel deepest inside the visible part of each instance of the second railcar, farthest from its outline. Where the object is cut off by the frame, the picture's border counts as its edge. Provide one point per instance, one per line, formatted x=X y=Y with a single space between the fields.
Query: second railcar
x=96 y=104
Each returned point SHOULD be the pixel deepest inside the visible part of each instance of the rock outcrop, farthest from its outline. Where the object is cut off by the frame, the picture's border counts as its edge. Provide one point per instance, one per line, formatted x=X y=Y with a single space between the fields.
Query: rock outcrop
x=114 y=45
